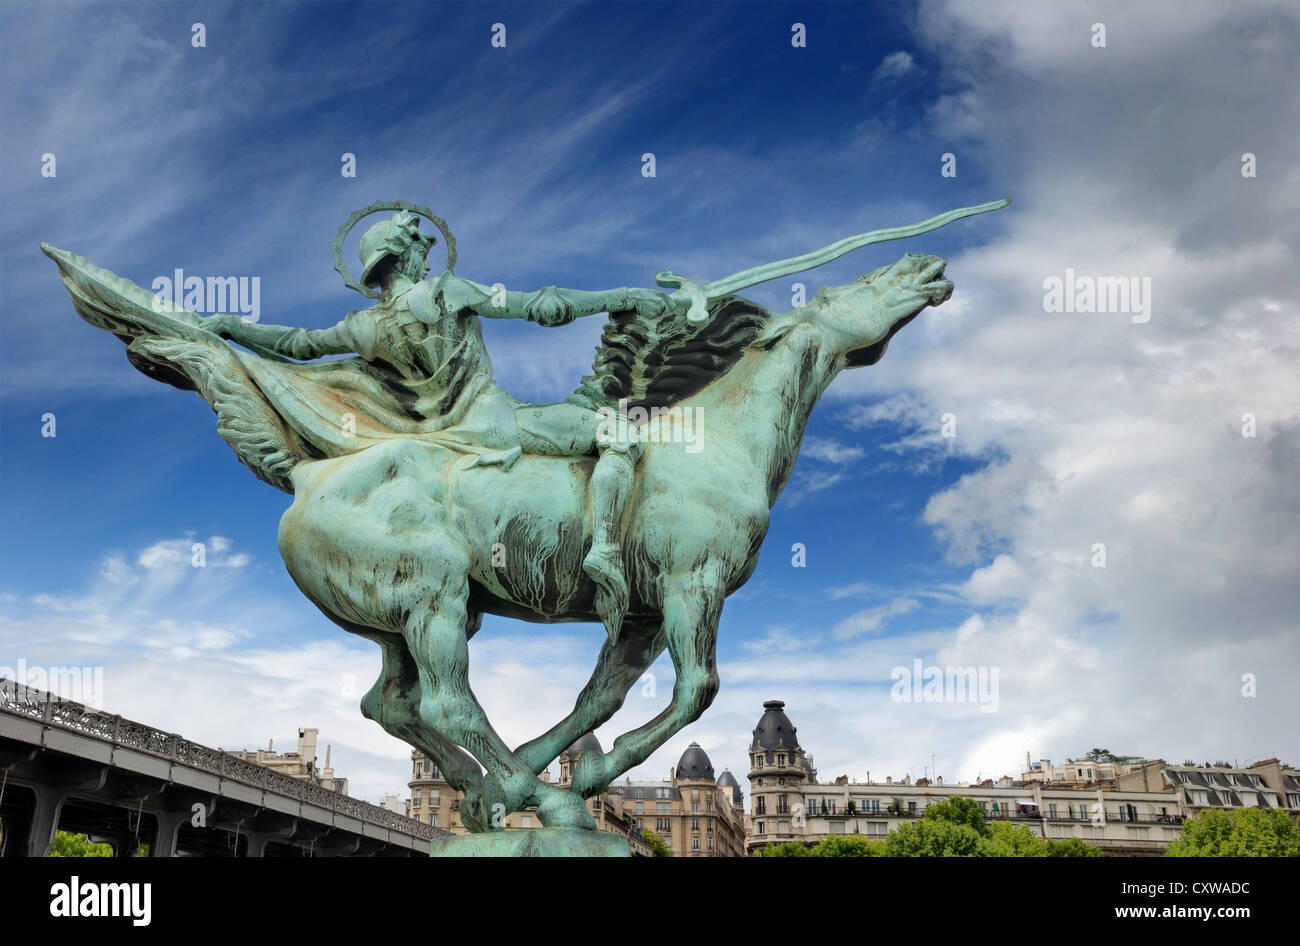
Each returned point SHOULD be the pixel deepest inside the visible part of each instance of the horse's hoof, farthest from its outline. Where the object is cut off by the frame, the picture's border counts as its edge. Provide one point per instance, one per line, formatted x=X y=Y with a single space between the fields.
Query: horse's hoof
x=589 y=777
x=561 y=809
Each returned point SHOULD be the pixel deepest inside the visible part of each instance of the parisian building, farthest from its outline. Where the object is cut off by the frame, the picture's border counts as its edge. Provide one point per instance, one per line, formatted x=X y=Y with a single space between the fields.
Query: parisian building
x=1133 y=807
x=696 y=813
x=300 y=764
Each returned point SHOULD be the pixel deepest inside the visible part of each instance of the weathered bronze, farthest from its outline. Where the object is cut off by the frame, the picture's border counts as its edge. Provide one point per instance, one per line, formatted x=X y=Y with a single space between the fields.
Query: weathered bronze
x=426 y=496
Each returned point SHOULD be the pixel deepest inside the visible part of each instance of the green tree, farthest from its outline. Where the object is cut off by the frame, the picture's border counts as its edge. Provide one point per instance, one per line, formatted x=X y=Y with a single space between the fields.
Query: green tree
x=933 y=837
x=1240 y=832
x=959 y=810
x=842 y=846
x=785 y=849
x=658 y=846
x=67 y=844
x=1072 y=847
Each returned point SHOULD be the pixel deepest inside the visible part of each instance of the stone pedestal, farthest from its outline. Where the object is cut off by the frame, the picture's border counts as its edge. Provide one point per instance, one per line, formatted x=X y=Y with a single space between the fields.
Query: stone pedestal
x=541 y=842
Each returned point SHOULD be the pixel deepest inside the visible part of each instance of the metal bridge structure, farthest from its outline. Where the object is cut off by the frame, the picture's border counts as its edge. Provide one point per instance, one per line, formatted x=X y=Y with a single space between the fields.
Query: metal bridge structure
x=67 y=766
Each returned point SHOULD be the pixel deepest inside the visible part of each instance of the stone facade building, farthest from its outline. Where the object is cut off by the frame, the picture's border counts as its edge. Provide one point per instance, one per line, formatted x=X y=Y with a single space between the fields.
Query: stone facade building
x=1137 y=813
x=300 y=764
x=695 y=813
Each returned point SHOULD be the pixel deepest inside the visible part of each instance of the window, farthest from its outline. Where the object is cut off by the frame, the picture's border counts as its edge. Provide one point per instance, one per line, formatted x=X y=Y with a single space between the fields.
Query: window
x=663 y=826
x=760 y=782
x=875 y=806
x=760 y=805
x=783 y=804
x=1051 y=811
x=762 y=827
x=783 y=827
x=710 y=844
x=781 y=782
x=911 y=808
x=780 y=758
x=525 y=821
x=640 y=808
x=695 y=806
x=877 y=829
x=837 y=827
x=415 y=798
x=663 y=807
x=695 y=824
x=695 y=844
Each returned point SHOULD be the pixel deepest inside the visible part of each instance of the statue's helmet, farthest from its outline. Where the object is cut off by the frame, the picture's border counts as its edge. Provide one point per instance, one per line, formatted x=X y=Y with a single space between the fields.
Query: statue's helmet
x=392 y=237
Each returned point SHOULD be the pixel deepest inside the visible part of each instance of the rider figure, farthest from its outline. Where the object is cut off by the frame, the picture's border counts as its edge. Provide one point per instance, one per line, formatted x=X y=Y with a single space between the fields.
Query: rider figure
x=426 y=333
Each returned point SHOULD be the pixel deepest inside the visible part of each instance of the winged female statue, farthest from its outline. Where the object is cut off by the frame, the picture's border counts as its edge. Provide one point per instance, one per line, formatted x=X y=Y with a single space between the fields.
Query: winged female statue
x=426 y=496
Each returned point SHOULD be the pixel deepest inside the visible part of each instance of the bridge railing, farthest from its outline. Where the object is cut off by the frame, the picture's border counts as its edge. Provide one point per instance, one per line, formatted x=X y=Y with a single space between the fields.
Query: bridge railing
x=51 y=710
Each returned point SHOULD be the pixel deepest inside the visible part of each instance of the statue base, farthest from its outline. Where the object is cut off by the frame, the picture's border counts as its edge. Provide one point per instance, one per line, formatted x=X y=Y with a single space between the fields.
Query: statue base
x=537 y=842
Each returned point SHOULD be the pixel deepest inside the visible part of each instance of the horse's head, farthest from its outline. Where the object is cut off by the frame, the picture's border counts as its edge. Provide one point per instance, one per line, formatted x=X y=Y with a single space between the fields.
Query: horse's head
x=858 y=319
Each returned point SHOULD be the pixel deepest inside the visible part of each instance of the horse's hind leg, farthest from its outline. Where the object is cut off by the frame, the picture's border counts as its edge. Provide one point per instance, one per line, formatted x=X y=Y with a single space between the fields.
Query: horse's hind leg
x=394 y=703
x=618 y=668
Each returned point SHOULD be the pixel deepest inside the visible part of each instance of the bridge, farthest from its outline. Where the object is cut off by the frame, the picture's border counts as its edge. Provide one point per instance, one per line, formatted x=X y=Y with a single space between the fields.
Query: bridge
x=66 y=766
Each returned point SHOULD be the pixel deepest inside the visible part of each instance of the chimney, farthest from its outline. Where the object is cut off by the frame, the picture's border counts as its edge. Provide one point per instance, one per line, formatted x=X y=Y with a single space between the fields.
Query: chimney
x=307 y=745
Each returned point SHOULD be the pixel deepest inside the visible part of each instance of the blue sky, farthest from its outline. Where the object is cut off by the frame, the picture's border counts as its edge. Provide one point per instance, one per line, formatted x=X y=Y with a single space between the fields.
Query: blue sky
x=974 y=550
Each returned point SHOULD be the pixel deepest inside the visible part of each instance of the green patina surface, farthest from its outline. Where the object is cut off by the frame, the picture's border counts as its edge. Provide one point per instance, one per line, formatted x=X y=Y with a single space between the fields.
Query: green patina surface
x=425 y=496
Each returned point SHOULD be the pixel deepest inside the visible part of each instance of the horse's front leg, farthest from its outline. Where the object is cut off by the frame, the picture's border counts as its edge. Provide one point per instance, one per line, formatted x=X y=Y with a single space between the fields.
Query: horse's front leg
x=394 y=703
x=691 y=610
x=618 y=668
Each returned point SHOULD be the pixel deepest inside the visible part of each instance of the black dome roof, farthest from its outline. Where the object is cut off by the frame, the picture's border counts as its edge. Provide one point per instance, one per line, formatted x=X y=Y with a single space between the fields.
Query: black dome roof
x=589 y=741
x=727 y=780
x=694 y=763
x=774 y=729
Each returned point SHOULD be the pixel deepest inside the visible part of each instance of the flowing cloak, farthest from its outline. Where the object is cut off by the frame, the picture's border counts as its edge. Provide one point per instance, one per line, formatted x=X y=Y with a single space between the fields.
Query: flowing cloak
x=276 y=413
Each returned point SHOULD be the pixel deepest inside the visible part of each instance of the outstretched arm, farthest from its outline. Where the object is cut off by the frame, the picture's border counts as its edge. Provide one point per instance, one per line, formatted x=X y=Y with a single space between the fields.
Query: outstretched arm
x=299 y=343
x=551 y=305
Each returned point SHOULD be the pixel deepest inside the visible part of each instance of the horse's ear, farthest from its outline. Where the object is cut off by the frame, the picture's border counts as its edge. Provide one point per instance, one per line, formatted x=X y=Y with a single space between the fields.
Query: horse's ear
x=772 y=334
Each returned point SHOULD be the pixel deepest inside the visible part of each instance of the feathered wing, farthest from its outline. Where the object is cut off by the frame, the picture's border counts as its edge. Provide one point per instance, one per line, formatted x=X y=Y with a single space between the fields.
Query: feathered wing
x=659 y=362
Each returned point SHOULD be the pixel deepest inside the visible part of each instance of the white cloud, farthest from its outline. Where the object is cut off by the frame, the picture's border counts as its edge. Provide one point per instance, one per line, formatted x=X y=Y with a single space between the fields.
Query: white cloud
x=895 y=66
x=872 y=620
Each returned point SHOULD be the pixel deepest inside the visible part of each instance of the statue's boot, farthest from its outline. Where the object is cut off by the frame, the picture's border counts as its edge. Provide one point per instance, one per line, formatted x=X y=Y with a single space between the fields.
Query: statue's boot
x=611 y=485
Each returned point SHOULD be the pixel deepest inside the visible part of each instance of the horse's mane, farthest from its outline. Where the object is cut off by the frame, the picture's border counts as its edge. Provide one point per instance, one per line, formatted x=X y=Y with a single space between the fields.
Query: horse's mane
x=659 y=362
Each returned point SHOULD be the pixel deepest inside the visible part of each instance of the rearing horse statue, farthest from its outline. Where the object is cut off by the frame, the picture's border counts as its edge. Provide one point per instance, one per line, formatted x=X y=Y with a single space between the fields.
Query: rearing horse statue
x=425 y=497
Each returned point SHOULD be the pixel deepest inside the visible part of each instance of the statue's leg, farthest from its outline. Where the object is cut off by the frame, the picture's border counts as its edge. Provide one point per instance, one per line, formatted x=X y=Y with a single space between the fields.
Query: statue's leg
x=611 y=486
x=394 y=703
x=691 y=611
x=619 y=666
x=439 y=644
x=569 y=430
